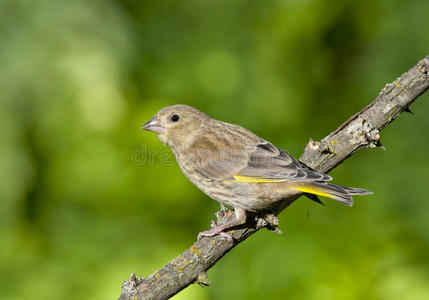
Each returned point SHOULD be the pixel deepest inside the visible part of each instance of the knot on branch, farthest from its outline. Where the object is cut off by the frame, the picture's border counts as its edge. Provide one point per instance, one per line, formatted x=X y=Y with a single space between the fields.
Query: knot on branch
x=362 y=132
x=325 y=147
x=203 y=279
x=424 y=66
x=130 y=288
x=269 y=221
x=312 y=145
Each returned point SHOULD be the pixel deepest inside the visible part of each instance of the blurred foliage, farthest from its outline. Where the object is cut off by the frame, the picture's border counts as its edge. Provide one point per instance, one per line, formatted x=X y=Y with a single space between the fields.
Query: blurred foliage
x=85 y=199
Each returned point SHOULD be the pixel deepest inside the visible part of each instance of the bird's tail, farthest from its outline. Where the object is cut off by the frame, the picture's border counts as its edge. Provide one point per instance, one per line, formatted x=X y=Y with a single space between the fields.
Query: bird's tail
x=340 y=193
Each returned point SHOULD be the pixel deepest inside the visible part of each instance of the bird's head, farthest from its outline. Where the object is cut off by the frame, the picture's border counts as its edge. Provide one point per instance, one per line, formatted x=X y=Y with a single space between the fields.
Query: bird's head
x=177 y=125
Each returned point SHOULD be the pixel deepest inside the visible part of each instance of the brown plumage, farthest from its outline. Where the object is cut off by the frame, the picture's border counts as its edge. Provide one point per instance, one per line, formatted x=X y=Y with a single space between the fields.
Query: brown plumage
x=236 y=167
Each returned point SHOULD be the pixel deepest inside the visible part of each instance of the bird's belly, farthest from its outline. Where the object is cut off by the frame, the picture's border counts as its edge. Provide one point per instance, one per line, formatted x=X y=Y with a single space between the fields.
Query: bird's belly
x=248 y=196
x=227 y=193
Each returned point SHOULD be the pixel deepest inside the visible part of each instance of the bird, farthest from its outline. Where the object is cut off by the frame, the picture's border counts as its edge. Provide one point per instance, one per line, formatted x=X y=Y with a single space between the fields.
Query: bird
x=236 y=167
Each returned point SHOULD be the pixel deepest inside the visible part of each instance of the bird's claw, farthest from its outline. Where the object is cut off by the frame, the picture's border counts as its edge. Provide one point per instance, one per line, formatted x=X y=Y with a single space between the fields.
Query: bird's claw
x=226 y=235
x=215 y=231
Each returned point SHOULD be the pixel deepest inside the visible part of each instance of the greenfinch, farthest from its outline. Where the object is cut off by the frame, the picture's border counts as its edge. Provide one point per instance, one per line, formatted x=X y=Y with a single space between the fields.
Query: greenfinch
x=236 y=167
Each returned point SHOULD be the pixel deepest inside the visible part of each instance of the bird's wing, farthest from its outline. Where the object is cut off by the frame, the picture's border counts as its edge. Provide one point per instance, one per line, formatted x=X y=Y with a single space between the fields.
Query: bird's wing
x=271 y=164
x=264 y=163
x=216 y=165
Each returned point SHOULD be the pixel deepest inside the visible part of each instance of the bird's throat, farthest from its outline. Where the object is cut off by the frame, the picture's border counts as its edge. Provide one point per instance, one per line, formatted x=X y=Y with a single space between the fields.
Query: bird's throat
x=163 y=138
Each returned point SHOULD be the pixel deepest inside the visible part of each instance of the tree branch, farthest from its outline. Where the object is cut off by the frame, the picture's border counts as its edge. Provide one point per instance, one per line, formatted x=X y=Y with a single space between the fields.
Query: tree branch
x=361 y=130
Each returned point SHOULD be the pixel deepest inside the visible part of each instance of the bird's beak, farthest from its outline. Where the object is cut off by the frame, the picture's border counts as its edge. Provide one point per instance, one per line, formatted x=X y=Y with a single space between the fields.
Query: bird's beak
x=154 y=125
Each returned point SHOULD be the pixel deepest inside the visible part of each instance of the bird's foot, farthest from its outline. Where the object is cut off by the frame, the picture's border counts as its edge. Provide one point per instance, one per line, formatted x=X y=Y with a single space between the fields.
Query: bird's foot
x=216 y=230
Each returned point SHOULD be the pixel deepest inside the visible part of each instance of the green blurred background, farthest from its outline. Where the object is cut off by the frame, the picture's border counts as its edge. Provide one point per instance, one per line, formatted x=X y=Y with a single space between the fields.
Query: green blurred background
x=85 y=199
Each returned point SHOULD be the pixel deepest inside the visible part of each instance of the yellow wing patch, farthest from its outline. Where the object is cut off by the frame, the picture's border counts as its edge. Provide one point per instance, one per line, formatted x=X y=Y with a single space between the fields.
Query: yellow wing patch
x=249 y=179
x=312 y=190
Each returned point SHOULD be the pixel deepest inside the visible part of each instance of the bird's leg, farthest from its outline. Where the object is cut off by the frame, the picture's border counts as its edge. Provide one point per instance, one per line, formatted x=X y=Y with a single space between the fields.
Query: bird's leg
x=240 y=217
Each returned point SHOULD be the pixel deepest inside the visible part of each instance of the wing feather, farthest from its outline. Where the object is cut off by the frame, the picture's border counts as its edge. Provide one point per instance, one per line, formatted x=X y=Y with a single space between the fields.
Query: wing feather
x=263 y=163
x=269 y=162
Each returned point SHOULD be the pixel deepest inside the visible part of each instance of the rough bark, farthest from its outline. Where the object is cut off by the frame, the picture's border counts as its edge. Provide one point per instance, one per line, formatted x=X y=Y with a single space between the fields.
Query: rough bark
x=360 y=130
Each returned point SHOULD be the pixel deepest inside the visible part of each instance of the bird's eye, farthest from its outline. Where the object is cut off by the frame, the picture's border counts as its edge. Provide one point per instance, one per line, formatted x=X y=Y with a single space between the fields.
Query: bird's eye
x=175 y=118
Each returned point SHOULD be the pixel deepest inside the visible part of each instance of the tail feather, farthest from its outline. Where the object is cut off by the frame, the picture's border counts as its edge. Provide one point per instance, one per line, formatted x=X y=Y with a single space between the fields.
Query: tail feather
x=356 y=191
x=337 y=192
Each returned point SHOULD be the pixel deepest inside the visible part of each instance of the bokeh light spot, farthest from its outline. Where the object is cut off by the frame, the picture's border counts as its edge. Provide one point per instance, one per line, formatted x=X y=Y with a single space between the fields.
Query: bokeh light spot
x=219 y=73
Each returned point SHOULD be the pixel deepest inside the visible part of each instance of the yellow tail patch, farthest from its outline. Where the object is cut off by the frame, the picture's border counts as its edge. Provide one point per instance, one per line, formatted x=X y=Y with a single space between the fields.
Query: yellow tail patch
x=239 y=178
x=312 y=190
